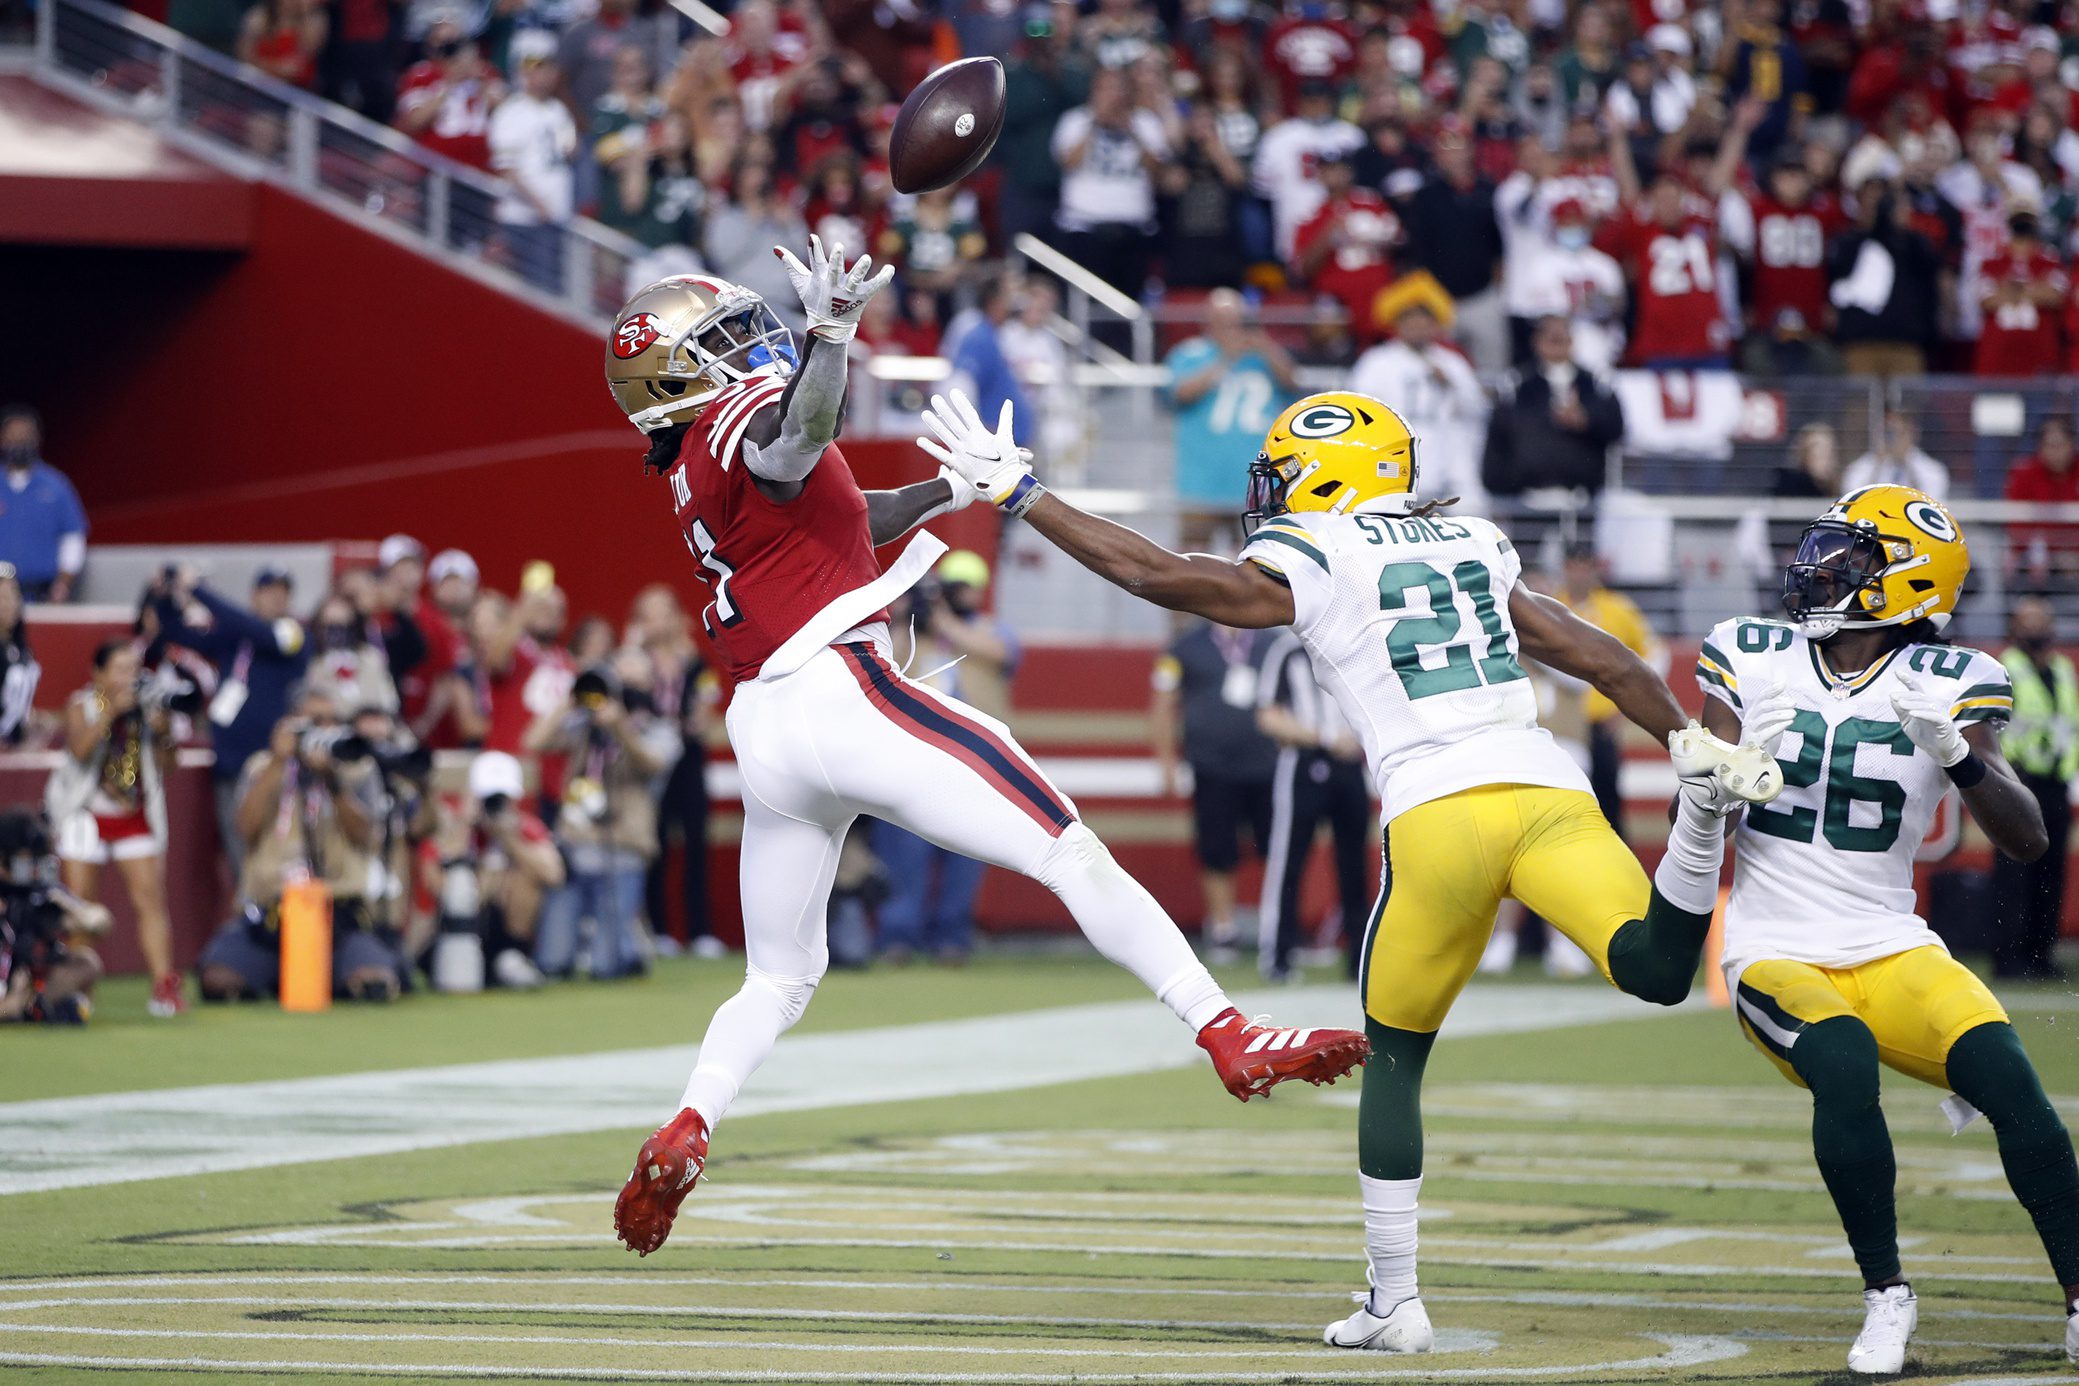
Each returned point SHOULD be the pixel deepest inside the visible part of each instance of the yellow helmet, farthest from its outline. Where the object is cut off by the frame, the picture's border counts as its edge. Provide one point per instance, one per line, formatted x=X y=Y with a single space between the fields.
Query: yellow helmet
x=1335 y=452
x=1882 y=556
x=680 y=341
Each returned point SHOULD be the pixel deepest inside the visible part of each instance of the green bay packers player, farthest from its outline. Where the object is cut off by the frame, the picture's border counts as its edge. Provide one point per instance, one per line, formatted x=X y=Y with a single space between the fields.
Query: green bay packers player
x=1831 y=970
x=1414 y=621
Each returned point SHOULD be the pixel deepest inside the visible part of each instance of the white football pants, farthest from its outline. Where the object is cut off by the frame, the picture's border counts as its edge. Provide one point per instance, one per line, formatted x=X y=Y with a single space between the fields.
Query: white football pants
x=847 y=735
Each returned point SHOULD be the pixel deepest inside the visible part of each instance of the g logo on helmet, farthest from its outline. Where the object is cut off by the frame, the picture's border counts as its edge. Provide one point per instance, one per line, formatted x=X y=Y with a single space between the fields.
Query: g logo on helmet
x=637 y=335
x=1323 y=421
x=1932 y=519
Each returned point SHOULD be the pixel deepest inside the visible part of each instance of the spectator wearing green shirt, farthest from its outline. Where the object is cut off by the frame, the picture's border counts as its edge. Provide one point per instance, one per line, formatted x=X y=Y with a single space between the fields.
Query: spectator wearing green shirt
x=1047 y=78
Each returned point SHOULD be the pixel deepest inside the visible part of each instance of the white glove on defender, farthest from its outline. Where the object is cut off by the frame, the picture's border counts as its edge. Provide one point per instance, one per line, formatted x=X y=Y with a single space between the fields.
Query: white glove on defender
x=1925 y=716
x=833 y=295
x=989 y=461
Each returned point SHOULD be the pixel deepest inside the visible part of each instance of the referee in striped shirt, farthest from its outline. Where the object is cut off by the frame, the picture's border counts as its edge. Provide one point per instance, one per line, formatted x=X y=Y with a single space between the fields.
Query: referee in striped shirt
x=1320 y=775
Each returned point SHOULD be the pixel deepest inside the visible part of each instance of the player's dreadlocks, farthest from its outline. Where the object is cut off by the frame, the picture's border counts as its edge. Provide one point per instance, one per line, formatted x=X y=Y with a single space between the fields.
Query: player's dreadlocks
x=664 y=449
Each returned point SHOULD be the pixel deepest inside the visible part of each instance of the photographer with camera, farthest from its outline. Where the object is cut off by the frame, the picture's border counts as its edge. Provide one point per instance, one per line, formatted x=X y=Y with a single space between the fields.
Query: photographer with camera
x=311 y=806
x=259 y=654
x=484 y=875
x=409 y=820
x=107 y=799
x=967 y=653
x=48 y=966
x=615 y=746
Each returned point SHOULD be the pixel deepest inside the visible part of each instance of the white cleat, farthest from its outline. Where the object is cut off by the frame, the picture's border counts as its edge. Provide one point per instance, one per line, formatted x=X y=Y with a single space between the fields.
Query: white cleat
x=1403 y=1329
x=2072 y=1336
x=1889 y=1317
x=1726 y=775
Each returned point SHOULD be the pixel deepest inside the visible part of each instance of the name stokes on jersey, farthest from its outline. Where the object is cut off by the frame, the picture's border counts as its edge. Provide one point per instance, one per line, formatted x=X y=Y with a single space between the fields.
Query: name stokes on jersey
x=1406 y=620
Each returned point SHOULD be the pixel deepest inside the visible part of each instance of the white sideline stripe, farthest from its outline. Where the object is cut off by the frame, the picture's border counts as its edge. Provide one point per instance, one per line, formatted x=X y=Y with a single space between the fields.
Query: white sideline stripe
x=113 y=1138
x=1683 y=1350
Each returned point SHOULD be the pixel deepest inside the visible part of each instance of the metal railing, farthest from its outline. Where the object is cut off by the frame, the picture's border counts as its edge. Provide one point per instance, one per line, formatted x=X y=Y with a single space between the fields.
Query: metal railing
x=245 y=121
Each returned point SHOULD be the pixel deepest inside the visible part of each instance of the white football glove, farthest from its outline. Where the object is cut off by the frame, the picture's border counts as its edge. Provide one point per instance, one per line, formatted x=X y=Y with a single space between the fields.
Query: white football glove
x=964 y=492
x=989 y=461
x=833 y=295
x=1925 y=716
x=1768 y=715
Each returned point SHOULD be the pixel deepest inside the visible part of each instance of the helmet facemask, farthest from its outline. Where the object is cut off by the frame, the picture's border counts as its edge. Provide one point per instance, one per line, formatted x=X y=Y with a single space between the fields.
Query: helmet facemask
x=1836 y=579
x=1266 y=495
x=740 y=337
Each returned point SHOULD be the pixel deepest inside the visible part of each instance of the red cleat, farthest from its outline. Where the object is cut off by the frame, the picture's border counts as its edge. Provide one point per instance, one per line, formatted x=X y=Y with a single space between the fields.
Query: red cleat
x=666 y=1169
x=1252 y=1057
x=169 y=997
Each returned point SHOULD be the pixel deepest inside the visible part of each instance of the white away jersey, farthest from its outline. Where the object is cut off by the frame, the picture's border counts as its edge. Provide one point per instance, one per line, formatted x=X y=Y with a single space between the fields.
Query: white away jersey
x=1824 y=875
x=1407 y=623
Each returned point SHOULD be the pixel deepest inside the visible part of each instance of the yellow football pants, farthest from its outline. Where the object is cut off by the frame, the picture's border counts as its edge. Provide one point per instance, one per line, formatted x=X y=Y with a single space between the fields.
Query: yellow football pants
x=1455 y=859
x=1917 y=1003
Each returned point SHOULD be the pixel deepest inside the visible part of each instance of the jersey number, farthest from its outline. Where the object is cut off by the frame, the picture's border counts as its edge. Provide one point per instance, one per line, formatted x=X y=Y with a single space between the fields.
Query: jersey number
x=1681 y=265
x=1412 y=635
x=722 y=610
x=1844 y=788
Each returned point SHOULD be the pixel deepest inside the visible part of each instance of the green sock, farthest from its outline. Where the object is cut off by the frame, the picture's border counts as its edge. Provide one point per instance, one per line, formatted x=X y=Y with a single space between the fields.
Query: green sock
x=1989 y=1069
x=1655 y=958
x=1837 y=1058
x=1389 y=1108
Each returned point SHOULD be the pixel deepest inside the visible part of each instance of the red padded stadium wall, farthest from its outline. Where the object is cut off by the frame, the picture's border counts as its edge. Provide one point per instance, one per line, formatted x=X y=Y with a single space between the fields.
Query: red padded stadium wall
x=332 y=384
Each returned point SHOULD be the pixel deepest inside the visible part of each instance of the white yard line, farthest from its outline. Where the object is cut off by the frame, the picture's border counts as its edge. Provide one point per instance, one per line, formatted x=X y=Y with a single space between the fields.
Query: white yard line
x=113 y=1138
x=1681 y=1350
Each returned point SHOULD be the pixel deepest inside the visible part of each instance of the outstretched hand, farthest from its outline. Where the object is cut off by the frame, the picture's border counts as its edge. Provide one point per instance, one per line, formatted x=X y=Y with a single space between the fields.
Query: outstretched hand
x=833 y=295
x=988 y=460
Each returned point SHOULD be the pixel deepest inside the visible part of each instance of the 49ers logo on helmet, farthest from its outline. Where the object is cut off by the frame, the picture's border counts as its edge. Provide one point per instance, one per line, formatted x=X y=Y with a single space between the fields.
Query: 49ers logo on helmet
x=637 y=335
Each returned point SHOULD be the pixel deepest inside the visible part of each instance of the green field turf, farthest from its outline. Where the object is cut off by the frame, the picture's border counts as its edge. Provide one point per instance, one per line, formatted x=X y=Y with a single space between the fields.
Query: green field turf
x=1624 y=1200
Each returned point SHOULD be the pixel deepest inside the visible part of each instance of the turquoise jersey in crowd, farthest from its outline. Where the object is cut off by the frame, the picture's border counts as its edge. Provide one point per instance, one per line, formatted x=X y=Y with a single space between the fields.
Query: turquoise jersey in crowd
x=1220 y=432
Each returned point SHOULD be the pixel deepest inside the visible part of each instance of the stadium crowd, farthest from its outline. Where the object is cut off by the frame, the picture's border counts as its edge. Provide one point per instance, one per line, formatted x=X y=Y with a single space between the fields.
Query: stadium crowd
x=1794 y=187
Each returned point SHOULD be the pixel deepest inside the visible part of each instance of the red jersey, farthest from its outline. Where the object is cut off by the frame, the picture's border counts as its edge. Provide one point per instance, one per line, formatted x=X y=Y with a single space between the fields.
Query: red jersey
x=501 y=696
x=2033 y=480
x=1790 y=259
x=1674 y=277
x=770 y=566
x=1309 y=50
x=2019 y=338
x=1354 y=272
x=462 y=129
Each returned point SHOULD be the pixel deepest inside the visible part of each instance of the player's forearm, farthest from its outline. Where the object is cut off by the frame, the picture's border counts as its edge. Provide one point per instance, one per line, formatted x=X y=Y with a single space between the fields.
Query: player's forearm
x=892 y=514
x=1122 y=557
x=810 y=411
x=2008 y=813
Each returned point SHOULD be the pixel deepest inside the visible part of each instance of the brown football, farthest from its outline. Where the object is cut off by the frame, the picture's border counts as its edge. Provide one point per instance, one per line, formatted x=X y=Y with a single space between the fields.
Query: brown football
x=947 y=126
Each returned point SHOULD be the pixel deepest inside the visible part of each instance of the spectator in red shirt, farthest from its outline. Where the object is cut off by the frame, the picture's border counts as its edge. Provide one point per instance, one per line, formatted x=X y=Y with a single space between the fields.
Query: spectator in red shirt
x=445 y=102
x=2022 y=292
x=1667 y=242
x=2050 y=478
x=282 y=39
x=501 y=663
x=430 y=694
x=1344 y=250
x=1791 y=227
x=1312 y=43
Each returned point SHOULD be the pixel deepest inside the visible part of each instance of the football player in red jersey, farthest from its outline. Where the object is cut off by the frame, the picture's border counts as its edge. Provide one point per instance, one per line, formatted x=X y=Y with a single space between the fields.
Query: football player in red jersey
x=824 y=728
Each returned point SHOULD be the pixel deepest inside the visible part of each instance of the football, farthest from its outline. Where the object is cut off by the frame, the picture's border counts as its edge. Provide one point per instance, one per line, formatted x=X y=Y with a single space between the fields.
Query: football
x=947 y=126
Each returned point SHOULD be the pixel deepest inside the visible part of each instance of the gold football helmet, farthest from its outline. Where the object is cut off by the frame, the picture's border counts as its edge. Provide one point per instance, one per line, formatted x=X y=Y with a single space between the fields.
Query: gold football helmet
x=1335 y=453
x=1882 y=556
x=682 y=340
